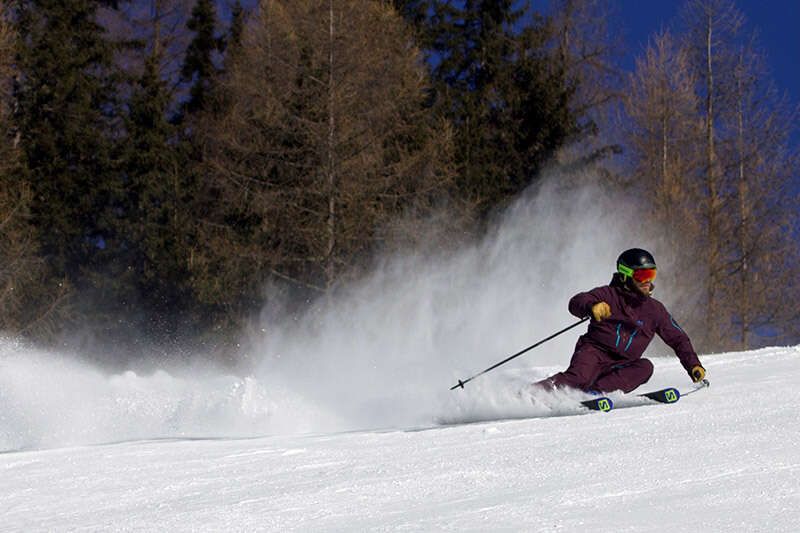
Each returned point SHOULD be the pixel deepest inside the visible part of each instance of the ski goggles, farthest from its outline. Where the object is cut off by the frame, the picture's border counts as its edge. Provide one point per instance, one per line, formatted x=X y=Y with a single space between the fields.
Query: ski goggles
x=642 y=275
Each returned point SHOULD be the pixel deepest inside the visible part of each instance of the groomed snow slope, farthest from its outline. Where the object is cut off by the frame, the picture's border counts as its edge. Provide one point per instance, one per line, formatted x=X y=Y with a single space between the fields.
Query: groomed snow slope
x=724 y=459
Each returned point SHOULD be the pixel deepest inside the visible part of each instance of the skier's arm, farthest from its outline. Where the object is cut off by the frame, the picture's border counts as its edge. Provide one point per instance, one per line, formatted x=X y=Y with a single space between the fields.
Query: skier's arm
x=678 y=340
x=581 y=304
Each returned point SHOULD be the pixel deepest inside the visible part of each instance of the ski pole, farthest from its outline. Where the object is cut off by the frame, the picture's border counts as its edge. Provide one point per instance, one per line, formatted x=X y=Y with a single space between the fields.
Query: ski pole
x=697 y=386
x=507 y=359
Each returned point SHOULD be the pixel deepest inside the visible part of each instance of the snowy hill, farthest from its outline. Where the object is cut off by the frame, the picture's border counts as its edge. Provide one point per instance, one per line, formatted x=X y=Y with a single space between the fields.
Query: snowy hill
x=724 y=459
x=341 y=419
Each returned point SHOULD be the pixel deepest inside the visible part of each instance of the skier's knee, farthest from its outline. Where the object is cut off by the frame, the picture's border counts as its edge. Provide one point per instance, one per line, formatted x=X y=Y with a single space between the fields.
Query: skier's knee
x=647 y=367
x=646 y=370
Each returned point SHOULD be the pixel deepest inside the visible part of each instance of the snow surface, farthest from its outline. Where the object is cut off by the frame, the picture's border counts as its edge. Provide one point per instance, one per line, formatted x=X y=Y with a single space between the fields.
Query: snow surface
x=342 y=419
x=723 y=459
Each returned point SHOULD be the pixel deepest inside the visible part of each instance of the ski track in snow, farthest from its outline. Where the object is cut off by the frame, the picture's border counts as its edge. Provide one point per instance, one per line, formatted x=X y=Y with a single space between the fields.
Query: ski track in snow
x=724 y=459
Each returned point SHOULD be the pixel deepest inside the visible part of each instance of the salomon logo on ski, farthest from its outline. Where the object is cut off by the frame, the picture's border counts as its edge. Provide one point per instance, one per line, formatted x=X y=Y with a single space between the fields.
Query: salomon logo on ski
x=599 y=404
x=668 y=395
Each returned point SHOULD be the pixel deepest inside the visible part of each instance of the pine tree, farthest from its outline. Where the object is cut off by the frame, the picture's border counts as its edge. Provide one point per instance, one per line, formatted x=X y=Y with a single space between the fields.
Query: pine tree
x=31 y=301
x=713 y=29
x=159 y=199
x=414 y=11
x=233 y=42
x=582 y=49
x=710 y=141
x=9 y=154
x=323 y=146
x=65 y=118
x=491 y=64
x=198 y=66
x=663 y=132
x=763 y=266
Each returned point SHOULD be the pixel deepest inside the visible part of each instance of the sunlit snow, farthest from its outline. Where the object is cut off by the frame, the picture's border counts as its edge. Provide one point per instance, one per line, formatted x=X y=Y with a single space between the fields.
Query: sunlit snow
x=724 y=459
x=342 y=419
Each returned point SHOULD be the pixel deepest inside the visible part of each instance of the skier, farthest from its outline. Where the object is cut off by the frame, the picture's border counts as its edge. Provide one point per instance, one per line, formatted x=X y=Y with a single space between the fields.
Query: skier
x=624 y=319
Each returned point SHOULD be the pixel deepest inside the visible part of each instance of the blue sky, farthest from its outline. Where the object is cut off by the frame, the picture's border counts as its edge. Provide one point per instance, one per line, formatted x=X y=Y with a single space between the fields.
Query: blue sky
x=777 y=23
x=776 y=20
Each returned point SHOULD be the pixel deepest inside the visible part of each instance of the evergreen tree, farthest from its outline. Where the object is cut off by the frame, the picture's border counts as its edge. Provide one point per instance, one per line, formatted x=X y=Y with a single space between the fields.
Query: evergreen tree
x=763 y=163
x=159 y=196
x=582 y=49
x=663 y=134
x=198 y=66
x=233 y=43
x=414 y=11
x=31 y=301
x=710 y=140
x=65 y=117
x=714 y=26
x=324 y=142
x=493 y=79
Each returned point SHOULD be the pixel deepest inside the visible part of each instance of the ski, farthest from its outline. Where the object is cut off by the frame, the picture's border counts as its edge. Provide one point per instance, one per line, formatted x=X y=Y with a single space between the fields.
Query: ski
x=605 y=404
x=668 y=395
x=600 y=403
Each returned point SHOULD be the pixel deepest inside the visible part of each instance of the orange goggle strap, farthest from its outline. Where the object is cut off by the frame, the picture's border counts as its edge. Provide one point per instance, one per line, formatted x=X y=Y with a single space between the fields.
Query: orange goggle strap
x=627 y=271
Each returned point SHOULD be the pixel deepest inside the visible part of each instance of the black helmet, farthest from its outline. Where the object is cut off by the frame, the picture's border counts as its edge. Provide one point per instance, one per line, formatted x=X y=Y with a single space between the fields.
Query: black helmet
x=634 y=259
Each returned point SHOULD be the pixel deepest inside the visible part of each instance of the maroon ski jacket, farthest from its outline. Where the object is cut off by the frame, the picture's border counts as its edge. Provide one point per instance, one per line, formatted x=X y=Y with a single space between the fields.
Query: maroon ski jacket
x=634 y=320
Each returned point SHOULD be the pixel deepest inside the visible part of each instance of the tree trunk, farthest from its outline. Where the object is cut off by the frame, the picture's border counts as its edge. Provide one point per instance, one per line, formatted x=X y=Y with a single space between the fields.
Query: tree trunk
x=713 y=192
x=330 y=271
x=744 y=217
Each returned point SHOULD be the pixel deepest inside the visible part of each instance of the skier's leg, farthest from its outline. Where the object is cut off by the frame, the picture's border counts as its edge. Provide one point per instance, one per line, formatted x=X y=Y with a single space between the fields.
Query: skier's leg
x=625 y=377
x=585 y=366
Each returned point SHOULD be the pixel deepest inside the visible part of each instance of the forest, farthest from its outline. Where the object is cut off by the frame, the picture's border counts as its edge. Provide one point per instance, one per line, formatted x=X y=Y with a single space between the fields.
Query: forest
x=169 y=166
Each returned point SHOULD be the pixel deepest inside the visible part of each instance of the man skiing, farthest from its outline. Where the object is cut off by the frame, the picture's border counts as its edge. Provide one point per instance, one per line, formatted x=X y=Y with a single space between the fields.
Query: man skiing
x=624 y=320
